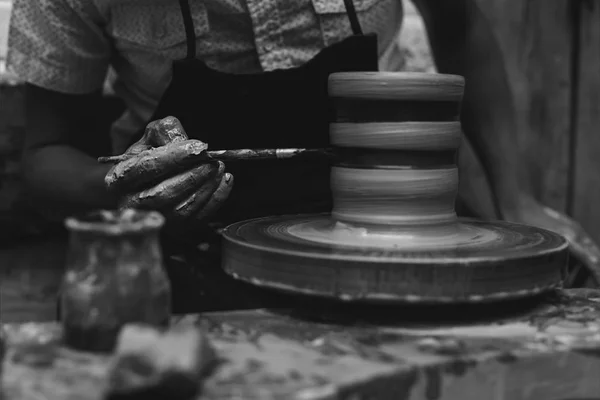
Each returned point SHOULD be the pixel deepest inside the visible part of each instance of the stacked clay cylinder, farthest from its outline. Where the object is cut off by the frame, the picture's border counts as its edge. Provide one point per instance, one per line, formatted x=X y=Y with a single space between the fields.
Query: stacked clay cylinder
x=396 y=137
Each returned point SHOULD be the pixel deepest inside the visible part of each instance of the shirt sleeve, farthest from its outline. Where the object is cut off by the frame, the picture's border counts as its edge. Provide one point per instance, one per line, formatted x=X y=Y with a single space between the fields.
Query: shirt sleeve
x=58 y=45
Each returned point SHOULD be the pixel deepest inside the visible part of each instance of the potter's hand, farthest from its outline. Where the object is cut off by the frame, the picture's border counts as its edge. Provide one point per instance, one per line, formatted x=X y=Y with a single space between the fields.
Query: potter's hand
x=168 y=172
x=583 y=249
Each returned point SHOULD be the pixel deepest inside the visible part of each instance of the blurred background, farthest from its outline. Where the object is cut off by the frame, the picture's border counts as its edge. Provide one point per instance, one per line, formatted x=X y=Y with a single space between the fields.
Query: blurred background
x=552 y=55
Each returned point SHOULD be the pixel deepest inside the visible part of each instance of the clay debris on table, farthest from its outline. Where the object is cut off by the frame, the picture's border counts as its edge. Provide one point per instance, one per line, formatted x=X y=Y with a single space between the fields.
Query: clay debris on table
x=527 y=348
x=148 y=363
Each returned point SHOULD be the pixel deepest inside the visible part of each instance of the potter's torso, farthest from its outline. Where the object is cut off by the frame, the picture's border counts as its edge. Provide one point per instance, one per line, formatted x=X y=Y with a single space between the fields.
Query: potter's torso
x=236 y=36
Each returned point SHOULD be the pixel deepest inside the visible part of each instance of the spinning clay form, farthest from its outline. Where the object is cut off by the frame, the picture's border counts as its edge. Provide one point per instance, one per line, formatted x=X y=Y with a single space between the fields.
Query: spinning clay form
x=393 y=235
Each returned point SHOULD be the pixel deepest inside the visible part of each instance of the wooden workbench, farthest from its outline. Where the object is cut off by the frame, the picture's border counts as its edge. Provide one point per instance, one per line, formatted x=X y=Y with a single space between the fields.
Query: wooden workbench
x=546 y=348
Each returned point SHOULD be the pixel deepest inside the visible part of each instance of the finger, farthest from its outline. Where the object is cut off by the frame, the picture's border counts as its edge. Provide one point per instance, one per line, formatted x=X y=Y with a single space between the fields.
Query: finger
x=153 y=165
x=170 y=191
x=581 y=244
x=218 y=197
x=588 y=255
x=200 y=197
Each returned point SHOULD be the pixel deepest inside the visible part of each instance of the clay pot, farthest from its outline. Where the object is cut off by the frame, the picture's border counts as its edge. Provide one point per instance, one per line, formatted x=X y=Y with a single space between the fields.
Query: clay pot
x=114 y=276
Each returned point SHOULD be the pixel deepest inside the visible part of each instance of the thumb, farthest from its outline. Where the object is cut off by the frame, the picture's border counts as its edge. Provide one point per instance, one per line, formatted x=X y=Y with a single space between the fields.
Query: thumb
x=157 y=134
x=165 y=131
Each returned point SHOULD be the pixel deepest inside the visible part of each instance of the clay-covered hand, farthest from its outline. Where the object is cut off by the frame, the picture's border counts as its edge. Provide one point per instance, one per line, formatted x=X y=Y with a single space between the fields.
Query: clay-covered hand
x=584 y=252
x=168 y=172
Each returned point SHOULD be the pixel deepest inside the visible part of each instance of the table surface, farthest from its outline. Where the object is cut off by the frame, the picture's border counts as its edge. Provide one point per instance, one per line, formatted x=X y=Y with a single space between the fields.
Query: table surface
x=546 y=348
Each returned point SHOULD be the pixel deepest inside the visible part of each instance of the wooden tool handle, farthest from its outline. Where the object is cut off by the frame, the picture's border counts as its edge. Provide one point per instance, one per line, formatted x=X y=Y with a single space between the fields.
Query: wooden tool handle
x=241 y=154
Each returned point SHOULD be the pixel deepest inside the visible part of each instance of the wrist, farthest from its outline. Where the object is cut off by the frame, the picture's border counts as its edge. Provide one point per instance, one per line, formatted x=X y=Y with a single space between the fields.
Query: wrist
x=512 y=192
x=518 y=207
x=99 y=195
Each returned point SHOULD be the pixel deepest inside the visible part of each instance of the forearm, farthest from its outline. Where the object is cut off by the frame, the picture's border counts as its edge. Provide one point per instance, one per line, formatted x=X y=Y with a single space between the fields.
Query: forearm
x=489 y=116
x=61 y=180
x=463 y=43
x=60 y=177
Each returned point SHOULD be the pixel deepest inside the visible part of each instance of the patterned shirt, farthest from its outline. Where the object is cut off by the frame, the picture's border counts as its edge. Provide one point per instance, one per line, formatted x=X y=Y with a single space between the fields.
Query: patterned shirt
x=69 y=45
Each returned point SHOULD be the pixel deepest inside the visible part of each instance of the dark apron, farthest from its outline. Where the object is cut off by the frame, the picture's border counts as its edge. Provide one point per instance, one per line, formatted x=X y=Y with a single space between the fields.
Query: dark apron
x=275 y=109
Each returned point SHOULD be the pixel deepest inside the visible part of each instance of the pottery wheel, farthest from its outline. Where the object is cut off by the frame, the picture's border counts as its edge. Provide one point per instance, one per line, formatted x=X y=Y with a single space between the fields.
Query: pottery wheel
x=393 y=235
x=471 y=261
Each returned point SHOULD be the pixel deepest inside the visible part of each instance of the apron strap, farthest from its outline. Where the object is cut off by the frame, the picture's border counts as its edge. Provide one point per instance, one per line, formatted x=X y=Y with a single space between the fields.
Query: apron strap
x=190 y=32
x=354 y=23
